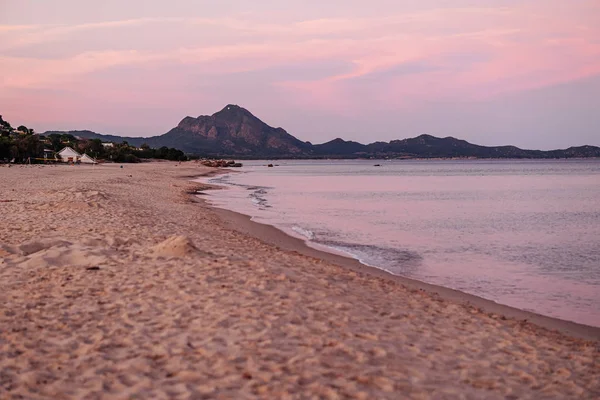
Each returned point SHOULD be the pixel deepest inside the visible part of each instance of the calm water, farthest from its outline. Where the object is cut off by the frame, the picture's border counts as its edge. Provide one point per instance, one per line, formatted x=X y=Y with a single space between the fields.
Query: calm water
x=522 y=233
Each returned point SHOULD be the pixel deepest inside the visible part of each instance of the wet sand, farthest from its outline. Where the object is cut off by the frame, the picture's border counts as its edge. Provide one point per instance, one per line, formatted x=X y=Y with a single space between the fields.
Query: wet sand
x=119 y=283
x=269 y=234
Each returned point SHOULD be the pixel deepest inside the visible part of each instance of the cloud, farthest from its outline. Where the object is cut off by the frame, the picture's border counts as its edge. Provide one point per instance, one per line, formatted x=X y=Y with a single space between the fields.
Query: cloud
x=320 y=27
x=41 y=33
x=398 y=58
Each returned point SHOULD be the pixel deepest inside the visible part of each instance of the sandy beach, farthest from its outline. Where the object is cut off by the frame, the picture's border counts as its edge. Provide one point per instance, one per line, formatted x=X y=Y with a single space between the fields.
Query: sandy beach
x=119 y=283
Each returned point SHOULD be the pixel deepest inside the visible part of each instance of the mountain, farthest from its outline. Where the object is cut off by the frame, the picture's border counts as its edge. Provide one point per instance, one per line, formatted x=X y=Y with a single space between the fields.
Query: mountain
x=236 y=132
x=428 y=146
x=233 y=131
x=338 y=147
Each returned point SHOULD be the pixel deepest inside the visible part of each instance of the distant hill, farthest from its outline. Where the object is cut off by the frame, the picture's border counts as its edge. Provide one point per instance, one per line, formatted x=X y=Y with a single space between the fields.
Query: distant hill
x=235 y=132
x=340 y=147
x=105 y=138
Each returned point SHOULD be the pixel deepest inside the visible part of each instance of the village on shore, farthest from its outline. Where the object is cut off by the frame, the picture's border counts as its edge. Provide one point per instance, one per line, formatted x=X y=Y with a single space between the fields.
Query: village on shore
x=23 y=145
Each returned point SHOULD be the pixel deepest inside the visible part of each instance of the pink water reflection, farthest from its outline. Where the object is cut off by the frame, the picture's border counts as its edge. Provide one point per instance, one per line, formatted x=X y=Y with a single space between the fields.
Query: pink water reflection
x=525 y=235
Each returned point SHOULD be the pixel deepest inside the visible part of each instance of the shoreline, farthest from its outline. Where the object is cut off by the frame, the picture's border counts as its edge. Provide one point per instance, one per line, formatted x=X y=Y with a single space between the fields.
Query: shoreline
x=281 y=240
x=153 y=293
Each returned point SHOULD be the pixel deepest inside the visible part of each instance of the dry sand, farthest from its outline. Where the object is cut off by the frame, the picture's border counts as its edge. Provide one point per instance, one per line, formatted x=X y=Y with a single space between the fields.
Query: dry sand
x=116 y=283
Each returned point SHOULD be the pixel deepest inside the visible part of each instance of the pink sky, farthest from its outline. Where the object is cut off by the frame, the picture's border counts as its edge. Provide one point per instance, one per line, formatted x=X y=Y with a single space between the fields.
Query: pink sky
x=489 y=71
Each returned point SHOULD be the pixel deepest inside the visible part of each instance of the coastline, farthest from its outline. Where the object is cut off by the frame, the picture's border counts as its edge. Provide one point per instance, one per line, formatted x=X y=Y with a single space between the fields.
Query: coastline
x=121 y=282
x=271 y=235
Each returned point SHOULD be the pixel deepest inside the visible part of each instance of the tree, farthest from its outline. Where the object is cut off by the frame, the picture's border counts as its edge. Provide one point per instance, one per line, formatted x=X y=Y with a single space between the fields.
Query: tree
x=14 y=152
x=161 y=152
x=5 y=145
x=5 y=127
x=67 y=139
x=29 y=146
x=96 y=147
x=56 y=141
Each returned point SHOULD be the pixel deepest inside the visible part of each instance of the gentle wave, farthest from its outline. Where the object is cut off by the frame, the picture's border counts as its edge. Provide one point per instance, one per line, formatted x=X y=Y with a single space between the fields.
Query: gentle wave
x=303 y=232
x=395 y=261
x=519 y=233
x=258 y=197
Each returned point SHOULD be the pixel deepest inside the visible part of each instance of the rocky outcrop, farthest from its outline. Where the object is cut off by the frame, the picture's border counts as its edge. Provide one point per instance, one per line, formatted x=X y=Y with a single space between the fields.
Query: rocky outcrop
x=221 y=163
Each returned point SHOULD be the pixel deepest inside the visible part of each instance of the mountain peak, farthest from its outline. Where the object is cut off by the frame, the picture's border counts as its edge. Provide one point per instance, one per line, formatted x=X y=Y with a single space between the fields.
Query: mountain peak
x=232 y=107
x=233 y=110
x=425 y=136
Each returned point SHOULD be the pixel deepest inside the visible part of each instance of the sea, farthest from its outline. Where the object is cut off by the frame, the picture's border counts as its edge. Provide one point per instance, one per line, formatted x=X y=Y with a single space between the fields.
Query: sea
x=520 y=233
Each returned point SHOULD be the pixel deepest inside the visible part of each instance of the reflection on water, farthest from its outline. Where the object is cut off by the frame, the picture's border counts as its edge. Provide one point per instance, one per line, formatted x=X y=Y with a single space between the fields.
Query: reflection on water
x=523 y=233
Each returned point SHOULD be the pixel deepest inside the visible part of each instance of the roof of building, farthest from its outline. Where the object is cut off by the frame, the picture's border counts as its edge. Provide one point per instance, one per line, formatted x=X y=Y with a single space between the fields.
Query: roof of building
x=70 y=150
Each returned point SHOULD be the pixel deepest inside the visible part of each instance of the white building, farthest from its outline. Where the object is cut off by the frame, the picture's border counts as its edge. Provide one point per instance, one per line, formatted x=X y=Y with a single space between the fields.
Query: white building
x=85 y=159
x=108 y=144
x=69 y=155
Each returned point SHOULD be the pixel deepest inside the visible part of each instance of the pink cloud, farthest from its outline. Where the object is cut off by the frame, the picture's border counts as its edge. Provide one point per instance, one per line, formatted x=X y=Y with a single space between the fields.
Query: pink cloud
x=523 y=56
x=467 y=53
